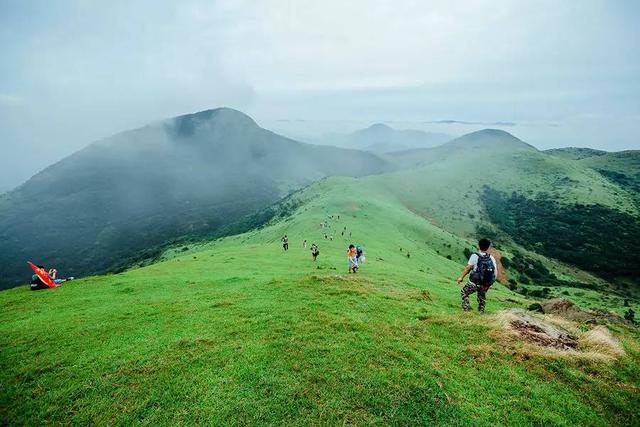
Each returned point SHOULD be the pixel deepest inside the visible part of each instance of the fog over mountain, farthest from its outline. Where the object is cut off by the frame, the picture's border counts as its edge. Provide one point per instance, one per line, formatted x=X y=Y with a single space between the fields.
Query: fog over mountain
x=201 y=174
x=565 y=73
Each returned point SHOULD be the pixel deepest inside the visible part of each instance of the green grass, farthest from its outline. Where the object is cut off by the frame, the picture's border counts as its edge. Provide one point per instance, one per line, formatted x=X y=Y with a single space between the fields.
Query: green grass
x=446 y=183
x=238 y=331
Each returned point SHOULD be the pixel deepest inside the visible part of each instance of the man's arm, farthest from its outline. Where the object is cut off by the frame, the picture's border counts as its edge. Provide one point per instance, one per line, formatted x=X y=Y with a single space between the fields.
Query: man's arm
x=466 y=271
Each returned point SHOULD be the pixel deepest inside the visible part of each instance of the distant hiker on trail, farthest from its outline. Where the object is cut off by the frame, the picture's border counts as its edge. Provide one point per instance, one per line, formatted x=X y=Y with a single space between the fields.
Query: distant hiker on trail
x=485 y=271
x=304 y=244
x=360 y=258
x=352 y=254
x=285 y=243
x=314 y=251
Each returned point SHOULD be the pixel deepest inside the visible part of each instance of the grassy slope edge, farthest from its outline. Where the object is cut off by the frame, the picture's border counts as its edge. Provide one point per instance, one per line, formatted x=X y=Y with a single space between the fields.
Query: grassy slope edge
x=238 y=331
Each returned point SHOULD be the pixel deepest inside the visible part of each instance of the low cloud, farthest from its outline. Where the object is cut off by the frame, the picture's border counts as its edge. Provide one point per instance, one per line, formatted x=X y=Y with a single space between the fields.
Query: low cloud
x=68 y=79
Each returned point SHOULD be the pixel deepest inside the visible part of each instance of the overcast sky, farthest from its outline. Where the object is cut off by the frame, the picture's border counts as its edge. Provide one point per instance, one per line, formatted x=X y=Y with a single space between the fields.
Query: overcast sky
x=558 y=73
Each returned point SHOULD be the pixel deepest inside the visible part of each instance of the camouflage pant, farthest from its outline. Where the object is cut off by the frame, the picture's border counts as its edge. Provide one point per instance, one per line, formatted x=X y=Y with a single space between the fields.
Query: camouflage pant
x=467 y=290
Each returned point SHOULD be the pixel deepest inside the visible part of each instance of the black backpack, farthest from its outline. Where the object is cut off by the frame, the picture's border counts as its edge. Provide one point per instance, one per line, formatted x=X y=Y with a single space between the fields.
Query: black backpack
x=485 y=273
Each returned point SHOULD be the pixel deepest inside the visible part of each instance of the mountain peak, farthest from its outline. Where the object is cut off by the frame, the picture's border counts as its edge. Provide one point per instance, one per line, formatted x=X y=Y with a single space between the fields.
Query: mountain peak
x=224 y=117
x=380 y=126
x=225 y=113
x=377 y=129
x=494 y=133
x=490 y=137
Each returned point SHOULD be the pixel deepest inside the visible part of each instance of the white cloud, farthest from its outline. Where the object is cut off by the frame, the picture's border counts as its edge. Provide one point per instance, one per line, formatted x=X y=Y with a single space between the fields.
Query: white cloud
x=89 y=69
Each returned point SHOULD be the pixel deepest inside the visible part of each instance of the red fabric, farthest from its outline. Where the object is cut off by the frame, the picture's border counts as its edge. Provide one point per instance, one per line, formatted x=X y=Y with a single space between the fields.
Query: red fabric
x=43 y=275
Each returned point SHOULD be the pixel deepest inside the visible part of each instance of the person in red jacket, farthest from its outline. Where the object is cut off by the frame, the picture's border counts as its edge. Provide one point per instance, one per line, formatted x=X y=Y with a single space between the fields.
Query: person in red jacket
x=352 y=257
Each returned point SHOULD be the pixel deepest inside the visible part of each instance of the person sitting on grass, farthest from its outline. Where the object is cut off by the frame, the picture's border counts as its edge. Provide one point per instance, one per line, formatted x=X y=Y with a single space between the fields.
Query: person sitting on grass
x=37 y=283
x=53 y=275
x=485 y=271
x=352 y=254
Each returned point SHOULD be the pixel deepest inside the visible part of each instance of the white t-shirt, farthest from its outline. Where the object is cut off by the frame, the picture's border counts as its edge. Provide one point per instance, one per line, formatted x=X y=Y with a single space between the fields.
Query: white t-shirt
x=473 y=260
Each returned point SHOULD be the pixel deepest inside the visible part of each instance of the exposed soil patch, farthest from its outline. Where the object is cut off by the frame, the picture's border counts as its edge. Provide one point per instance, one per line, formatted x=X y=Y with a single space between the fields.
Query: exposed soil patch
x=554 y=335
x=543 y=334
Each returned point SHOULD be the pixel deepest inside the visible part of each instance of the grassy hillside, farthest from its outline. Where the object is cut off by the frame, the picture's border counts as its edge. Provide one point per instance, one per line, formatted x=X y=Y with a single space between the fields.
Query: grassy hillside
x=237 y=331
x=448 y=185
x=575 y=153
x=196 y=174
x=621 y=168
x=445 y=183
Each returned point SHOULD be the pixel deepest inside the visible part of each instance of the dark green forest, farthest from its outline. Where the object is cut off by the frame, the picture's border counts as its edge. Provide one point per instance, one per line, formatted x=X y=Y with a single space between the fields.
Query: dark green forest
x=592 y=237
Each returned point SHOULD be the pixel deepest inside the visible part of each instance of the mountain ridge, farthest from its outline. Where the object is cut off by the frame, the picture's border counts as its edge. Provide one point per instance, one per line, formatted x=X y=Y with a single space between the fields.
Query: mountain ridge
x=184 y=176
x=204 y=173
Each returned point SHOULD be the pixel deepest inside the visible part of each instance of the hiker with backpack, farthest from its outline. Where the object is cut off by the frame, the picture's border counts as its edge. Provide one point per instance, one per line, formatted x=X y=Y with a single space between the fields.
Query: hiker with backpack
x=285 y=242
x=359 y=254
x=484 y=270
x=314 y=251
x=352 y=259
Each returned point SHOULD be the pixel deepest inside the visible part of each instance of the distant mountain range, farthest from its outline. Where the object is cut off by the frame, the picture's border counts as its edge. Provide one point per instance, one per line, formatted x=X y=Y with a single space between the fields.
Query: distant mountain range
x=380 y=138
x=216 y=173
x=192 y=175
